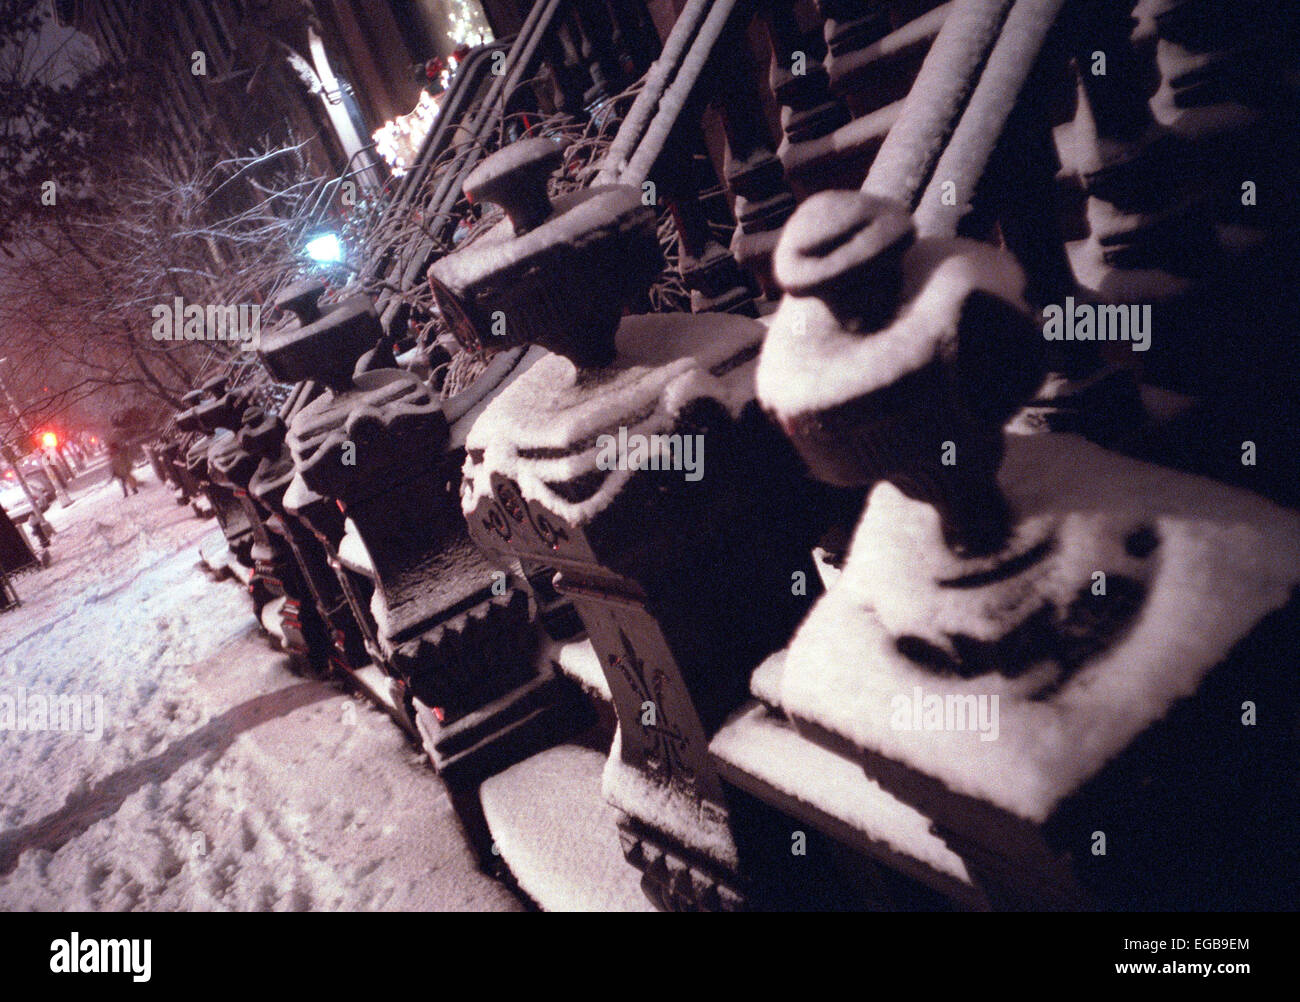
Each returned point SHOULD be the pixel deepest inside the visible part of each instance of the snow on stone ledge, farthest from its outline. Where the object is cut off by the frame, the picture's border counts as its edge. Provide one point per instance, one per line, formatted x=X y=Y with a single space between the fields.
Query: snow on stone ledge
x=755 y=743
x=1226 y=559
x=578 y=660
x=557 y=835
x=663 y=364
x=352 y=551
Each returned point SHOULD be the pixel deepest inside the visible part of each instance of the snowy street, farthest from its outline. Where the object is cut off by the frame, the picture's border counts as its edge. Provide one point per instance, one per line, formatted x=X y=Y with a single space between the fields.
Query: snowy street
x=221 y=781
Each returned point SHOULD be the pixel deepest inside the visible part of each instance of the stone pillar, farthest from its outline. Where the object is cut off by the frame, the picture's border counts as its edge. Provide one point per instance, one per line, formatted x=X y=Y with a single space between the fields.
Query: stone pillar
x=1008 y=601
x=454 y=631
x=684 y=580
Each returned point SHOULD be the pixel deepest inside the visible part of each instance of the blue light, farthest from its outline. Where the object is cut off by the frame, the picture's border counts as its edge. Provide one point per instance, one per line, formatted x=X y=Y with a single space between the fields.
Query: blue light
x=326 y=248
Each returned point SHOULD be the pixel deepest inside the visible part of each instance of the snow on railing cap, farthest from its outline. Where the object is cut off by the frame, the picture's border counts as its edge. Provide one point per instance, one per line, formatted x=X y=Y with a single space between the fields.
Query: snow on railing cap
x=846 y=248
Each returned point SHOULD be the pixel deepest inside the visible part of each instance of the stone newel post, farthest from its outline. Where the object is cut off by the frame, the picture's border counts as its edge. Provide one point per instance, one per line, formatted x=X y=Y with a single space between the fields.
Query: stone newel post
x=634 y=460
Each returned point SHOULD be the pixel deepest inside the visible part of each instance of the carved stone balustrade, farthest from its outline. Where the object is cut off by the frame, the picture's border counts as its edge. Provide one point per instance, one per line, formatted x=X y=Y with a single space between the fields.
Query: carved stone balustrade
x=320 y=358
x=263 y=436
x=283 y=600
x=210 y=419
x=506 y=297
x=1146 y=202
x=752 y=171
x=1221 y=106
x=323 y=519
x=326 y=342
x=424 y=566
x=845 y=104
x=683 y=579
x=800 y=83
x=1171 y=150
x=1051 y=651
x=455 y=631
x=660 y=142
x=172 y=453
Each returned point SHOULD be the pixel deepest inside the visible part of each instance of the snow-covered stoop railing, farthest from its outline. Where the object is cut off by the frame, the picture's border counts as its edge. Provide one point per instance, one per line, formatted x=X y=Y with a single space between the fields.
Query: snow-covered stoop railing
x=172 y=448
x=208 y=418
x=835 y=72
x=680 y=570
x=345 y=649
x=684 y=580
x=454 y=637
x=1037 y=674
x=1036 y=678
x=259 y=558
x=569 y=57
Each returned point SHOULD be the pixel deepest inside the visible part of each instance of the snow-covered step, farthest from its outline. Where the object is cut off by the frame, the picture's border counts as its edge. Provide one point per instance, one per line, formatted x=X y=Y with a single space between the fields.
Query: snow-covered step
x=353 y=553
x=241 y=571
x=578 y=660
x=380 y=690
x=221 y=563
x=216 y=561
x=271 y=621
x=762 y=754
x=557 y=834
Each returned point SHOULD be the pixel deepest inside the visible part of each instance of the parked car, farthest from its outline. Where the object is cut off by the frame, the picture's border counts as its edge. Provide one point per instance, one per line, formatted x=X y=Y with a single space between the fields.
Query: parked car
x=14 y=500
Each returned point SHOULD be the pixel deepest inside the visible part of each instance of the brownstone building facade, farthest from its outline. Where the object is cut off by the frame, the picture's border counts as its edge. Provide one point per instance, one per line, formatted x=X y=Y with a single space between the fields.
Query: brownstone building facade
x=331 y=70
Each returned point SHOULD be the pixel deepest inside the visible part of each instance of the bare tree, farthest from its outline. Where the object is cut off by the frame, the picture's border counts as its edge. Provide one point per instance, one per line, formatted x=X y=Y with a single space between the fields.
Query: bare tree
x=101 y=224
x=79 y=295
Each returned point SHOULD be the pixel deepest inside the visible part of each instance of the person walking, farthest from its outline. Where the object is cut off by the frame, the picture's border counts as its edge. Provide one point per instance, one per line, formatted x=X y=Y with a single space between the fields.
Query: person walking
x=119 y=463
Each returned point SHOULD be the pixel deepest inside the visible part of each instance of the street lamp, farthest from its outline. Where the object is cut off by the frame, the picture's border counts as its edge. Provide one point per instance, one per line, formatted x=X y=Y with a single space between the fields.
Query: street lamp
x=325 y=248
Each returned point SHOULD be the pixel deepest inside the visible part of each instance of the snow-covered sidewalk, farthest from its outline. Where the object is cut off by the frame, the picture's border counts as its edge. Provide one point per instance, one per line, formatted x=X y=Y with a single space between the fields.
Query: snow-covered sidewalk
x=220 y=781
